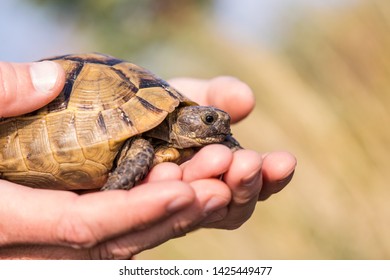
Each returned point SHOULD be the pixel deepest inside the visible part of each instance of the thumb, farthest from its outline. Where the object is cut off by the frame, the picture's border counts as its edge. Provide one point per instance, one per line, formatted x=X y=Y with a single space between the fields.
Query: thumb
x=25 y=87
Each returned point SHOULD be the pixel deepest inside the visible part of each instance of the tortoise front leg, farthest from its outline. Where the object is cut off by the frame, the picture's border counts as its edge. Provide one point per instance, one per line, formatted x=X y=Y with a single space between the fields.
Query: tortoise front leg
x=165 y=153
x=133 y=164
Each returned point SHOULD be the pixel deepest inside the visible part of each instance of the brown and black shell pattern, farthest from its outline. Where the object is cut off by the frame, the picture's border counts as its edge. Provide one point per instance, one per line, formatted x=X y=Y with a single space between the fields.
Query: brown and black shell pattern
x=72 y=142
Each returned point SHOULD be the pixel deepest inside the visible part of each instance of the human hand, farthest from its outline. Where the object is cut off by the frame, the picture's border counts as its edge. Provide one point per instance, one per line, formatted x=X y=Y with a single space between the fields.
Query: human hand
x=38 y=223
x=250 y=176
x=67 y=221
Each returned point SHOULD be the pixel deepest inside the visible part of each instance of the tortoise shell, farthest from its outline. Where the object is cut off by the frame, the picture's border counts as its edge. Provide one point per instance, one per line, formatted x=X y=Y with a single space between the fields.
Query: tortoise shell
x=72 y=142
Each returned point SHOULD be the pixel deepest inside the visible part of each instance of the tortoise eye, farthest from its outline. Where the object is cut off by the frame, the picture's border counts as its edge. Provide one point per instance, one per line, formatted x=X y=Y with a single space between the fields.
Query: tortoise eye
x=209 y=119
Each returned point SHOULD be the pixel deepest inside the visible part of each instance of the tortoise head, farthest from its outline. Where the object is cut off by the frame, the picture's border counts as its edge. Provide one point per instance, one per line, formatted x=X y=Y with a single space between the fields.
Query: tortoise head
x=195 y=126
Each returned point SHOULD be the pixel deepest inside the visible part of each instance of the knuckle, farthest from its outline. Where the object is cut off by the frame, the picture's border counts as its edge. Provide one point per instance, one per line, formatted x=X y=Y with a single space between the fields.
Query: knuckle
x=230 y=222
x=237 y=221
x=180 y=228
x=75 y=232
x=113 y=250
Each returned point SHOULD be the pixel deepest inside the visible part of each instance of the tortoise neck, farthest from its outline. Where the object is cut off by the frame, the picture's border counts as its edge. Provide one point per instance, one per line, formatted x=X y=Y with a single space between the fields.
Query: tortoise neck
x=162 y=131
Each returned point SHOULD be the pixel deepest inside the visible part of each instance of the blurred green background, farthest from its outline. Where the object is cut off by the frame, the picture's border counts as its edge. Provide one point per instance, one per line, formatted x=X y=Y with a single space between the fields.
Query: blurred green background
x=321 y=75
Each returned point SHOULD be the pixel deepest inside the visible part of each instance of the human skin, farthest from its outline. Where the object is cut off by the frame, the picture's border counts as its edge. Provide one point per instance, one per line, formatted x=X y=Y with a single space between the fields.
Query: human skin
x=172 y=201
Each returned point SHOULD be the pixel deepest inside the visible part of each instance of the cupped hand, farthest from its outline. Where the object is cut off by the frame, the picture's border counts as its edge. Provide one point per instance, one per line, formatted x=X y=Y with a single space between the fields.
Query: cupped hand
x=248 y=175
x=172 y=201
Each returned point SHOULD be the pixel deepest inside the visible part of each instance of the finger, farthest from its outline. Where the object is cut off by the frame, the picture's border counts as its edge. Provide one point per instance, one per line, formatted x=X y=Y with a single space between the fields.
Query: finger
x=245 y=182
x=226 y=93
x=278 y=170
x=42 y=252
x=195 y=89
x=231 y=95
x=81 y=221
x=163 y=172
x=211 y=194
x=25 y=87
x=217 y=157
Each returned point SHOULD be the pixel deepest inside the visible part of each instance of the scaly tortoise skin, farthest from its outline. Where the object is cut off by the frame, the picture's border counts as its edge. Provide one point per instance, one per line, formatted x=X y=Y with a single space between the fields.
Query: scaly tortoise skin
x=111 y=123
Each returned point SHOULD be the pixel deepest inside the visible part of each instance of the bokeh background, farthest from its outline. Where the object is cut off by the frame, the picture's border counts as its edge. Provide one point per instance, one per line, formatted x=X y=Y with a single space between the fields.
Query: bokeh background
x=321 y=75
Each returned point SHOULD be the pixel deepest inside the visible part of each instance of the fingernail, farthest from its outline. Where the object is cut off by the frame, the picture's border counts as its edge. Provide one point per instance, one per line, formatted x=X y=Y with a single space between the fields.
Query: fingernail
x=286 y=180
x=44 y=75
x=178 y=204
x=251 y=179
x=213 y=204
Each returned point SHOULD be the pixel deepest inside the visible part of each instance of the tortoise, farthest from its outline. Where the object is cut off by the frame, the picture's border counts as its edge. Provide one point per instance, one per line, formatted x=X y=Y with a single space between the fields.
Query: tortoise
x=111 y=123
